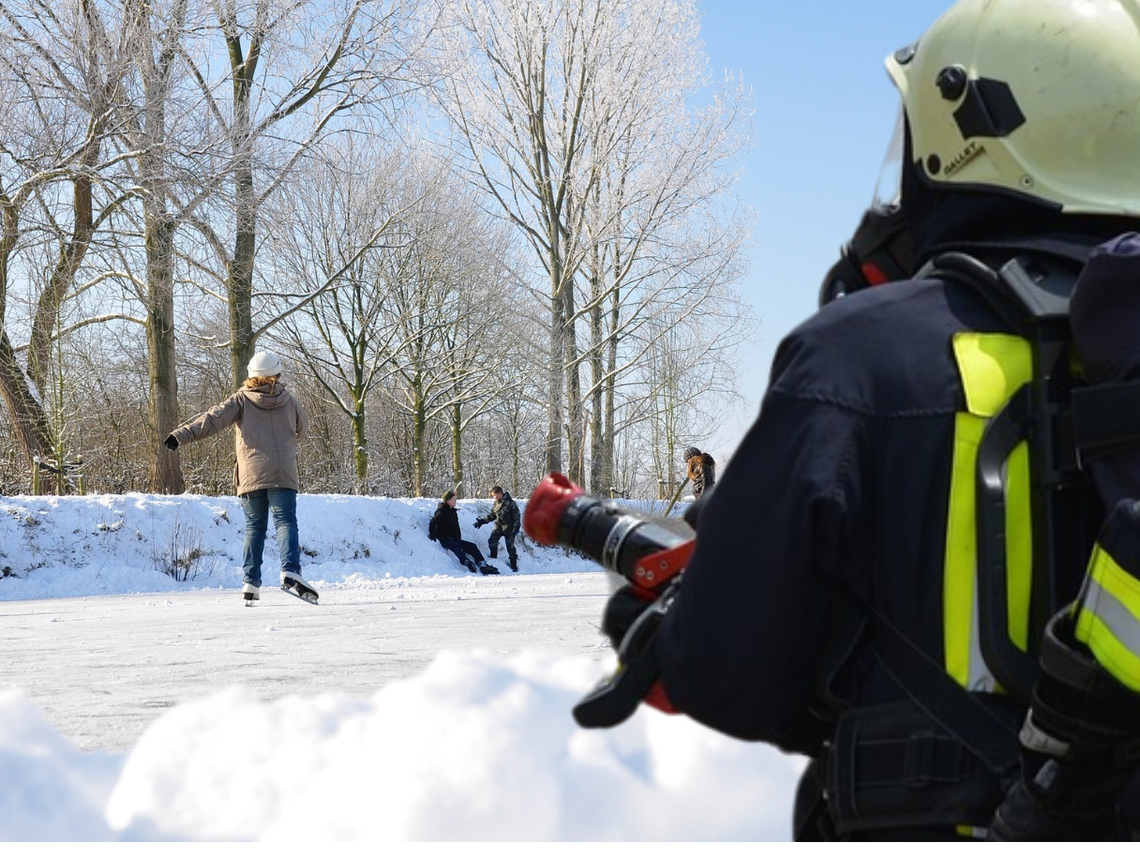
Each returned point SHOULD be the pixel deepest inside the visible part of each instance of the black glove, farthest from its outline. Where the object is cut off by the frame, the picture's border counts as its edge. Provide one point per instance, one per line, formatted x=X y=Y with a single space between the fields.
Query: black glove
x=479 y=524
x=1060 y=800
x=1025 y=815
x=170 y=442
x=631 y=621
x=1079 y=748
x=624 y=607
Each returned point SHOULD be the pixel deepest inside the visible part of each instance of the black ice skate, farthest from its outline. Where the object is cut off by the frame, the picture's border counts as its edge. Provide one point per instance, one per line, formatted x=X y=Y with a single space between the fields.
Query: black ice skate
x=295 y=585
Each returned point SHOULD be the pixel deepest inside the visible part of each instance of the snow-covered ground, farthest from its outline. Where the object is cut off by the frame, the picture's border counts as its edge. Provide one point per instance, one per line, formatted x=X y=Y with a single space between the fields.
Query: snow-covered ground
x=416 y=702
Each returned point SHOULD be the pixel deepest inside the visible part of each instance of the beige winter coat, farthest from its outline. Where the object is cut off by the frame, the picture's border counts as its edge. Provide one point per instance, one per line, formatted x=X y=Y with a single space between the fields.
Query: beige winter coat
x=269 y=422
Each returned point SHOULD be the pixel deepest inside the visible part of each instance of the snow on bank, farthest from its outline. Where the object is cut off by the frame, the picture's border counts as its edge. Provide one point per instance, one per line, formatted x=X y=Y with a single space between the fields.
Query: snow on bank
x=479 y=746
x=62 y=546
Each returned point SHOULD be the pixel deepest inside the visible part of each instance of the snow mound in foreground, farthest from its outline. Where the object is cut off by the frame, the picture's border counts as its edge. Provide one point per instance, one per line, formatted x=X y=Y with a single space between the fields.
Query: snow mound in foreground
x=476 y=748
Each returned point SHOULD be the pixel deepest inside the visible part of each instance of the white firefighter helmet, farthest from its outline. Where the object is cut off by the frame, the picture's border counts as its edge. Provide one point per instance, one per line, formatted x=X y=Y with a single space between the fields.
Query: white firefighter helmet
x=1040 y=98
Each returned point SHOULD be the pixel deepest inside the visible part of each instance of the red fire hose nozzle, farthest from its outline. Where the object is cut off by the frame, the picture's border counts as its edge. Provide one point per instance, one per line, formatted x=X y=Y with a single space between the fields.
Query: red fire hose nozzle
x=546 y=506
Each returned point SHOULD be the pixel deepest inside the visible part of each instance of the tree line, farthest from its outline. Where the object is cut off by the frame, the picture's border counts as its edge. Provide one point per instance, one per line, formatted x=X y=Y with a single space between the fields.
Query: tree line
x=489 y=238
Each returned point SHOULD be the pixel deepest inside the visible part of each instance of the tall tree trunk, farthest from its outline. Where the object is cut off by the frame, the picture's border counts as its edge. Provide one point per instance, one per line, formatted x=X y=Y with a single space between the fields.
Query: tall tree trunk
x=555 y=381
x=575 y=419
x=162 y=410
x=239 y=277
x=360 y=448
x=159 y=226
x=51 y=299
x=45 y=325
x=609 y=432
x=419 y=432
x=597 y=382
x=26 y=414
x=457 y=444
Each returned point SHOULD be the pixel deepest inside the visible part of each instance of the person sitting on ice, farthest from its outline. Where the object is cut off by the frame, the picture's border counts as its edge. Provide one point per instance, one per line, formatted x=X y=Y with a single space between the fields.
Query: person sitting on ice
x=444 y=527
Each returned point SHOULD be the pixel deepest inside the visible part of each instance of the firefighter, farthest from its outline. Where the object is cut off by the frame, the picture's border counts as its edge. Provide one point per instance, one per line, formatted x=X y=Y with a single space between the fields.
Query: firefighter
x=831 y=605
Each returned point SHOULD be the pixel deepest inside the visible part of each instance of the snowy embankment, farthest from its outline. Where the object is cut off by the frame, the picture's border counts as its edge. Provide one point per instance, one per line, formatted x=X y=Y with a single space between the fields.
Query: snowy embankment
x=478 y=745
x=66 y=546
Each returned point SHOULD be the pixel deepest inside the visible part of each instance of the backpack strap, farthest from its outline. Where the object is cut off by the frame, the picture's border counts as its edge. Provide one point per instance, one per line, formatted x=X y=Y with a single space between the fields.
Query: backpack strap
x=962 y=714
x=1106 y=415
x=1031 y=295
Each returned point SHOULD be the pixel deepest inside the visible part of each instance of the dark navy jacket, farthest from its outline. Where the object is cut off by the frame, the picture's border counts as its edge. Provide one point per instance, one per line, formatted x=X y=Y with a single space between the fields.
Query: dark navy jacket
x=839 y=490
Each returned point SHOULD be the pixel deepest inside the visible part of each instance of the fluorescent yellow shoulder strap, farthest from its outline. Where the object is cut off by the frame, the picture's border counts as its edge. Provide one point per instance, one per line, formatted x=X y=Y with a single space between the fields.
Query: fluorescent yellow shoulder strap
x=992 y=368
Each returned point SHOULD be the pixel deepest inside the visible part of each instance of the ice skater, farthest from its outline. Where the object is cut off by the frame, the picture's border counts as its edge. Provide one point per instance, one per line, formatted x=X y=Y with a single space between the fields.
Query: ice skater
x=269 y=421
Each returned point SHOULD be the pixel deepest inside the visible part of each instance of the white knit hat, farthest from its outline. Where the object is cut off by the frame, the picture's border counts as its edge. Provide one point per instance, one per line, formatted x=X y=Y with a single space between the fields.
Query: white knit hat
x=264 y=364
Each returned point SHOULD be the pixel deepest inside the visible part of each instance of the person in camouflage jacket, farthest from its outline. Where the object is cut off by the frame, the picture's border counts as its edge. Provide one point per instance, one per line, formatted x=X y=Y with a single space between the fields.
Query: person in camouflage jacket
x=505 y=515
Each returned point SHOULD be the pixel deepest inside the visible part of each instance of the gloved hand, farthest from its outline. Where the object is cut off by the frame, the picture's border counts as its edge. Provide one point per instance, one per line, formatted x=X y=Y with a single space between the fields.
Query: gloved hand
x=480 y=523
x=1079 y=748
x=170 y=442
x=623 y=609
x=631 y=620
x=1027 y=813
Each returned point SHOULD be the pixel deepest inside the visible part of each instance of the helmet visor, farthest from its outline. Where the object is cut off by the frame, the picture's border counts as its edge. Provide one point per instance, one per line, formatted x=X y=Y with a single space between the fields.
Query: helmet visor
x=888 y=189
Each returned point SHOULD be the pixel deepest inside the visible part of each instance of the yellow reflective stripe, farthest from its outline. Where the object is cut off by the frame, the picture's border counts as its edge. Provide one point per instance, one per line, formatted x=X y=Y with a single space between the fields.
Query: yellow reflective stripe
x=992 y=368
x=1108 y=620
x=959 y=610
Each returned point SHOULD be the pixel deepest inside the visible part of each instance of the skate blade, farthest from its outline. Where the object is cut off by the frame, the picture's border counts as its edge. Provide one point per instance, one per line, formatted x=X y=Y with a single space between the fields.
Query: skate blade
x=308 y=596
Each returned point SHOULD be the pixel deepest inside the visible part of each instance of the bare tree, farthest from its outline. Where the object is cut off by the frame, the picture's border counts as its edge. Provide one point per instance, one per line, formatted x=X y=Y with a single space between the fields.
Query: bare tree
x=333 y=226
x=686 y=376
x=519 y=101
x=296 y=73
x=577 y=117
x=155 y=36
x=62 y=78
x=451 y=299
x=663 y=231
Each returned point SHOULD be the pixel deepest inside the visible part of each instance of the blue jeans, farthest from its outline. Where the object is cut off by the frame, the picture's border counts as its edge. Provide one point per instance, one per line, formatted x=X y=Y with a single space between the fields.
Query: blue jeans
x=257 y=505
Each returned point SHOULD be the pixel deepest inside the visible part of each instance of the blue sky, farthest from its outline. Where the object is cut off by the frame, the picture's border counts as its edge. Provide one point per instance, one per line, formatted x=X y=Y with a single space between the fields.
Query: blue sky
x=825 y=111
